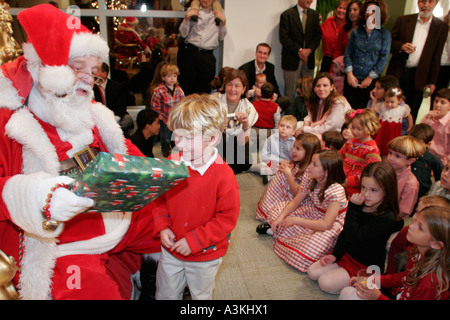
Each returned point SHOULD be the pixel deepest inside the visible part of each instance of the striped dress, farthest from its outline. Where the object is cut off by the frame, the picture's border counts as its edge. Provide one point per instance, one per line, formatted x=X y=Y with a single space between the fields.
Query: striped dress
x=277 y=190
x=356 y=156
x=299 y=246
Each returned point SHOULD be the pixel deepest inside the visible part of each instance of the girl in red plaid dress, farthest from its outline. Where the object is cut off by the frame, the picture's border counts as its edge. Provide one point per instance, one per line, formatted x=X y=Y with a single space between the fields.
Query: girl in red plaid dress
x=305 y=232
x=285 y=184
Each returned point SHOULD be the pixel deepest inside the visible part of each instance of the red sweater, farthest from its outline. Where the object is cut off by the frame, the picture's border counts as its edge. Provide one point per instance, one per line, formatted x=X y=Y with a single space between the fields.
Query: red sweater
x=266 y=109
x=202 y=209
x=424 y=290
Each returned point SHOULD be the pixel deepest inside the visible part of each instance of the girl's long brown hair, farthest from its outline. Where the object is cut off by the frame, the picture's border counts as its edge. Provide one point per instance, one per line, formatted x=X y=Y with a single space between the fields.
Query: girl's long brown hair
x=386 y=178
x=311 y=143
x=434 y=260
x=333 y=165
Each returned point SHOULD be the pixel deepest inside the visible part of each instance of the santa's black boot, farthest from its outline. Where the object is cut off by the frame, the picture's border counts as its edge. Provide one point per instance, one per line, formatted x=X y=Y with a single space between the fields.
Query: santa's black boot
x=148 y=278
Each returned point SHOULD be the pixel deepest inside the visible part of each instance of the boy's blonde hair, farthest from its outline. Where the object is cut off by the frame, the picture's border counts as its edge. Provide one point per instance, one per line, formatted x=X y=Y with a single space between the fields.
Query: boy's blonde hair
x=168 y=69
x=291 y=119
x=367 y=117
x=261 y=76
x=407 y=145
x=199 y=113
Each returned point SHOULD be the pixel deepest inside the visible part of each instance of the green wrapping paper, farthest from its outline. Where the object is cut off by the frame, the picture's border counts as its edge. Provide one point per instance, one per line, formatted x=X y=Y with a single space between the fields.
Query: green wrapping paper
x=126 y=183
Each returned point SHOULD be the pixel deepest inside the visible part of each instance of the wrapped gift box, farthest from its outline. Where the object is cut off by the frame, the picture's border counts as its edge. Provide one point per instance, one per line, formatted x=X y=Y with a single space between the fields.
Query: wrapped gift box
x=126 y=183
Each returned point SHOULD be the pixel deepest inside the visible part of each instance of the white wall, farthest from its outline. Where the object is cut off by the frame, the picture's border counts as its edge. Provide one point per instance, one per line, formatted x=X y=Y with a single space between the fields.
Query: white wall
x=250 y=22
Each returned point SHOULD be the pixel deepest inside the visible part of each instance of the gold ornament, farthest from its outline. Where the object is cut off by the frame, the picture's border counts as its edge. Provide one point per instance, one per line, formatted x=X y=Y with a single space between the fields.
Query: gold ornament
x=9 y=48
x=8 y=268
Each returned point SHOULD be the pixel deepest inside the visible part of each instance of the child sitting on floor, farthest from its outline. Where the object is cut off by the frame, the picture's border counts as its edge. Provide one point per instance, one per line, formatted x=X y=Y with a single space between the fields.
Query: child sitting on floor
x=284 y=186
x=276 y=148
x=403 y=151
x=371 y=218
x=428 y=165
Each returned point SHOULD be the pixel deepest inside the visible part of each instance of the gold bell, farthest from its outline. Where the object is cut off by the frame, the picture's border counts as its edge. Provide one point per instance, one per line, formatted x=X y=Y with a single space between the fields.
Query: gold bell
x=8 y=268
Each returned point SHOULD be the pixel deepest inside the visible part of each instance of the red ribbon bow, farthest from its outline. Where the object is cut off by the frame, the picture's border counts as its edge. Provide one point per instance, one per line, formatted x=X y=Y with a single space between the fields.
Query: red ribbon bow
x=354 y=113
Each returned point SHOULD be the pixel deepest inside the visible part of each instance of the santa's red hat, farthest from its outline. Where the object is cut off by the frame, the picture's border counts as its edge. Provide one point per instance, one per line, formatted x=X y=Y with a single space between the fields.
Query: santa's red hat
x=54 y=37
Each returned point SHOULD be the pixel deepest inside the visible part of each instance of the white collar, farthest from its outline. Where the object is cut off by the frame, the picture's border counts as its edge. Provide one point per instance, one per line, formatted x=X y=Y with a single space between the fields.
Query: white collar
x=202 y=169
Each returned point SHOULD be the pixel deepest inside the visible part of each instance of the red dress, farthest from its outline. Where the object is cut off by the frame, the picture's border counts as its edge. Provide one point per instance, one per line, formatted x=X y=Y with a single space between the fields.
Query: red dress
x=391 y=124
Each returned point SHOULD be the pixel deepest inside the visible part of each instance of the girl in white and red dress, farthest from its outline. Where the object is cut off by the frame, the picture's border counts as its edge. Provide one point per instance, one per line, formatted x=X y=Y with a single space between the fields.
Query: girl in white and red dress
x=427 y=275
x=285 y=184
x=391 y=113
x=305 y=232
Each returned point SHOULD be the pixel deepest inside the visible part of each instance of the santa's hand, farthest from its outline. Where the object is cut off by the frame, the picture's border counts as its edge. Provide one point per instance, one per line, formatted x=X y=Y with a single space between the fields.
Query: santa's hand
x=64 y=204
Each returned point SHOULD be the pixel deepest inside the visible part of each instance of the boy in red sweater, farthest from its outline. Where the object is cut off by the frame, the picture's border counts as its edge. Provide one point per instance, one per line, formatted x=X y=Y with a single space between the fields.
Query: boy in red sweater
x=195 y=218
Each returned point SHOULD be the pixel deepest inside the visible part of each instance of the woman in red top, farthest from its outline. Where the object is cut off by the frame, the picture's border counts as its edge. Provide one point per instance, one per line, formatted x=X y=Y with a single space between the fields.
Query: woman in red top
x=330 y=29
x=352 y=18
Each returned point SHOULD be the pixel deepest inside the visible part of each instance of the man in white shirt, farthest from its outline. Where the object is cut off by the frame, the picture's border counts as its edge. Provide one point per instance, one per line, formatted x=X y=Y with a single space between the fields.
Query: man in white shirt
x=417 y=43
x=196 y=60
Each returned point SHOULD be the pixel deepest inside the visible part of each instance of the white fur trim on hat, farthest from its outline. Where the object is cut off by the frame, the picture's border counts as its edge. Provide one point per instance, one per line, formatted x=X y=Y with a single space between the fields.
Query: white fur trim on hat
x=88 y=44
x=58 y=79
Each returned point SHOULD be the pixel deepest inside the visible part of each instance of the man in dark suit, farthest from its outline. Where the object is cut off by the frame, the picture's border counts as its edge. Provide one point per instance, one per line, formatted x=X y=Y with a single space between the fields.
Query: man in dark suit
x=113 y=94
x=300 y=35
x=261 y=65
x=417 y=43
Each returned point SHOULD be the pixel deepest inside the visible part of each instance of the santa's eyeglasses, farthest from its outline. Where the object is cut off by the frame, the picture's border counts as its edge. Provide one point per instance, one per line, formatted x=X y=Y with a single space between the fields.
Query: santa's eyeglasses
x=80 y=73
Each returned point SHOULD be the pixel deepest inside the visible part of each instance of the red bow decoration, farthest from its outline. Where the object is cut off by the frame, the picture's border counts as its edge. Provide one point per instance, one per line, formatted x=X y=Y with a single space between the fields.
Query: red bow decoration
x=354 y=113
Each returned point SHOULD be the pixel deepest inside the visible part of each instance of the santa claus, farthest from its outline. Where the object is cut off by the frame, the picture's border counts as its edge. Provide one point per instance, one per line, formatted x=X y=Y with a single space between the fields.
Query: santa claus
x=47 y=116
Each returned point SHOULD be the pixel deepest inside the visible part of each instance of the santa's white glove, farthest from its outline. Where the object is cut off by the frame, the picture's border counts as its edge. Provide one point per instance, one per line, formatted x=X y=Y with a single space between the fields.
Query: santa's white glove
x=25 y=197
x=64 y=204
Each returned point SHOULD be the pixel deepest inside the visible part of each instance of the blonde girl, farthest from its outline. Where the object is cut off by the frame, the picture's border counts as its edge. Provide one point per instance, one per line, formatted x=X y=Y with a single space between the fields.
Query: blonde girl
x=307 y=227
x=391 y=113
x=285 y=184
x=427 y=274
x=362 y=149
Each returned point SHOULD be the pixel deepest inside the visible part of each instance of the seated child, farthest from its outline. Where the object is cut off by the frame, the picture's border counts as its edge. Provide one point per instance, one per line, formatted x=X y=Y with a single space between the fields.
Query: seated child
x=428 y=165
x=194 y=237
x=391 y=113
x=400 y=245
x=361 y=150
x=442 y=187
x=277 y=147
x=439 y=120
x=217 y=9
x=298 y=105
x=382 y=85
x=338 y=73
x=268 y=111
x=403 y=151
x=148 y=125
x=305 y=232
x=332 y=140
x=284 y=186
x=426 y=276
x=371 y=219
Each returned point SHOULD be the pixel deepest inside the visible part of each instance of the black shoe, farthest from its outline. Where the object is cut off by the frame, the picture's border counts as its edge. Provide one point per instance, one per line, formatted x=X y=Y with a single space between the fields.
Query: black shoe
x=265 y=180
x=263 y=228
x=194 y=18
x=218 y=21
x=166 y=153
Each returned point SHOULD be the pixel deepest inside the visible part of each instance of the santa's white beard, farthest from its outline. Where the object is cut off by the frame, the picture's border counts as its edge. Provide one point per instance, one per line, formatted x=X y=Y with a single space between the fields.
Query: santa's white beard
x=70 y=115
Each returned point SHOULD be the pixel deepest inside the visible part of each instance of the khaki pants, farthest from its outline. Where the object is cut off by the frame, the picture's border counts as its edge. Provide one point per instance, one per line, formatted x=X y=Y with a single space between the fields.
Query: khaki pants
x=174 y=274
